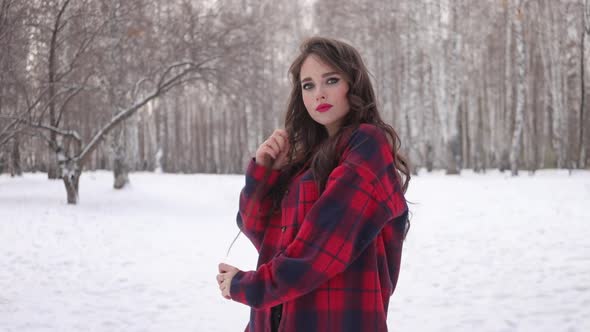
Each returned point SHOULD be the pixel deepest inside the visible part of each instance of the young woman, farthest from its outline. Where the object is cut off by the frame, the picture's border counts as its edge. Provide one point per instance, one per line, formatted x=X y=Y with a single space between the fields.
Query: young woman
x=323 y=204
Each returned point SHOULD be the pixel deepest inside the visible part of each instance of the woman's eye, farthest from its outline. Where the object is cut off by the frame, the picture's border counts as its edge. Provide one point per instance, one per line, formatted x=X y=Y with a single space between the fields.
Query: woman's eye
x=333 y=80
x=307 y=86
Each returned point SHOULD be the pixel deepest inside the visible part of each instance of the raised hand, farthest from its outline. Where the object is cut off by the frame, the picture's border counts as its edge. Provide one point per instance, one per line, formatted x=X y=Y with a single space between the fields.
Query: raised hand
x=274 y=151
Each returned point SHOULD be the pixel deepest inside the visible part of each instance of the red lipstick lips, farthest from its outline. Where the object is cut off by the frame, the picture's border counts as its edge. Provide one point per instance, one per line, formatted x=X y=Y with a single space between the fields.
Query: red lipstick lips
x=323 y=107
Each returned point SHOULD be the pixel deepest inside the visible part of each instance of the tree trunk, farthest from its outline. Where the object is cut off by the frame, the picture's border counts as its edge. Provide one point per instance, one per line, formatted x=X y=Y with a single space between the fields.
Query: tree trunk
x=53 y=171
x=15 y=162
x=555 y=67
x=520 y=92
x=479 y=150
x=502 y=156
x=572 y=94
x=454 y=96
x=585 y=70
x=453 y=155
x=465 y=137
x=71 y=176
x=428 y=116
x=120 y=167
x=121 y=155
x=533 y=114
x=429 y=157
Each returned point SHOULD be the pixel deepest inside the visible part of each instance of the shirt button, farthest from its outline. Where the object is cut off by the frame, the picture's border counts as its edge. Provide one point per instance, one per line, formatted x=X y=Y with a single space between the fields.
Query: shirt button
x=283 y=229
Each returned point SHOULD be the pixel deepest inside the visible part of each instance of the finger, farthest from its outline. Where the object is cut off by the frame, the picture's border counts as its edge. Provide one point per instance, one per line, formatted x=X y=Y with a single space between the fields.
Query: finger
x=269 y=151
x=283 y=156
x=283 y=144
x=285 y=137
x=223 y=267
x=226 y=294
x=282 y=133
x=273 y=144
x=219 y=278
x=263 y=157
x=277 y=148
x=285 y=148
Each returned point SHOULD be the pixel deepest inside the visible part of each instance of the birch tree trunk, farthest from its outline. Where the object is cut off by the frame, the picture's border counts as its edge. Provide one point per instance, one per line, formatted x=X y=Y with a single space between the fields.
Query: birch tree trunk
x=428 y=118
x=444 y=88
x=453 y=148
x=117 y=79
x=409 y=85
x=572 y=85
x=502 y=156
x=414 y=110
x=584 y=135
x=515 y=149
x=555 y=67
x=532 y=140
x=120 y=164
x=52 y=64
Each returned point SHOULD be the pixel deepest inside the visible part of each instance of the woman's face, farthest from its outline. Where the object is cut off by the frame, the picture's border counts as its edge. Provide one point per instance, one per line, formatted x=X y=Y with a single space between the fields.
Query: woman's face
x=324 y=93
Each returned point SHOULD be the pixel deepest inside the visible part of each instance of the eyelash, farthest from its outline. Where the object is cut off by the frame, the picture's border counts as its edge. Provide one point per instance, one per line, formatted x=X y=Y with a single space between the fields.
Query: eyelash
x=306 y=86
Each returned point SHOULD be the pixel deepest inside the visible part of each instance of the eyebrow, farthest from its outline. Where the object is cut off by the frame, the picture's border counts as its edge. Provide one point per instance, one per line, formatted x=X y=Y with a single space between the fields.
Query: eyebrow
x=307 y=79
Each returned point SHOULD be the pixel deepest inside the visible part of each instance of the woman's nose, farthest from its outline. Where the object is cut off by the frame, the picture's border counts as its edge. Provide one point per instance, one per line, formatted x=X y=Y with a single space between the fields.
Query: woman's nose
x=320 y=95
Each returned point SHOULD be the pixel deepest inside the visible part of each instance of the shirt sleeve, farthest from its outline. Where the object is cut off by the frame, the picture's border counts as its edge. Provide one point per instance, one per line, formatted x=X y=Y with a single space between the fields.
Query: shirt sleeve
x=253 y=215
x=348 y=216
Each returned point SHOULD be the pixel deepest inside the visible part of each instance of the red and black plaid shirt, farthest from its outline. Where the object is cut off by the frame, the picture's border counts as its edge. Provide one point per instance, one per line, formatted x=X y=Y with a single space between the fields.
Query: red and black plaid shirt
x=332 y=260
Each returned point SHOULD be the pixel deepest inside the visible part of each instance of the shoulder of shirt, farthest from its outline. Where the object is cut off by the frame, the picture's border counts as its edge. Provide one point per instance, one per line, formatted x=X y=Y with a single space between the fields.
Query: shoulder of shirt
x=367 y=134
x=367 y=151
x=370 y=156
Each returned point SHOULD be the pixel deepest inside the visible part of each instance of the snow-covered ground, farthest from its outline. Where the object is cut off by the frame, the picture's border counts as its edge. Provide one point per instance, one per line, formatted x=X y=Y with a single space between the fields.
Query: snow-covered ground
x=485 y=253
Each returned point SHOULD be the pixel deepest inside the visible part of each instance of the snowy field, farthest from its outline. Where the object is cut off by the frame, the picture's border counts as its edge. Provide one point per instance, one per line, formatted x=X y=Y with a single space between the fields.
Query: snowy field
x=485 y=253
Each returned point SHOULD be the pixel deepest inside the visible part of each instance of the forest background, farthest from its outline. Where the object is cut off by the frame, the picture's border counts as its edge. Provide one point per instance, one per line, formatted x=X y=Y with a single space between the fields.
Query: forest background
x=195 y=86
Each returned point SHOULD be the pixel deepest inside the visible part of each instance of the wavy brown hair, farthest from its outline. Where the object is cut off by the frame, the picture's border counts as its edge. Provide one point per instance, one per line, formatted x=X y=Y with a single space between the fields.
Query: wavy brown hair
x=309 y=139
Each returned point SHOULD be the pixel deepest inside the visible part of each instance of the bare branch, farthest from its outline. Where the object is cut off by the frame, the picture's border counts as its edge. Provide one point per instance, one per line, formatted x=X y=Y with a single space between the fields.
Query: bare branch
x=137 y=86
x=70 y=98
x=84 y=45
x=8 y=132
x=164 y=85
x=52 y=99
x=66 y=133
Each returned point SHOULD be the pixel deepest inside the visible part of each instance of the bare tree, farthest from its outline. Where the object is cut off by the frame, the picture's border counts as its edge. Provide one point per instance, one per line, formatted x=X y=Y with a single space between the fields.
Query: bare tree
x=73 y=153
x=13 y=44
x=448 y=76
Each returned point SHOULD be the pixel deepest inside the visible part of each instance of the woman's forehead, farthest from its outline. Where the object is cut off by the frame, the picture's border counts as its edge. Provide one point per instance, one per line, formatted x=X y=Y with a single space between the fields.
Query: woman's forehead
x=314 y=67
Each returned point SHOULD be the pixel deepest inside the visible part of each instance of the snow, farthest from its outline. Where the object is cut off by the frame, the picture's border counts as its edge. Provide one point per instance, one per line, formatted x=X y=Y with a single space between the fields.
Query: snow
x=485 y=253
